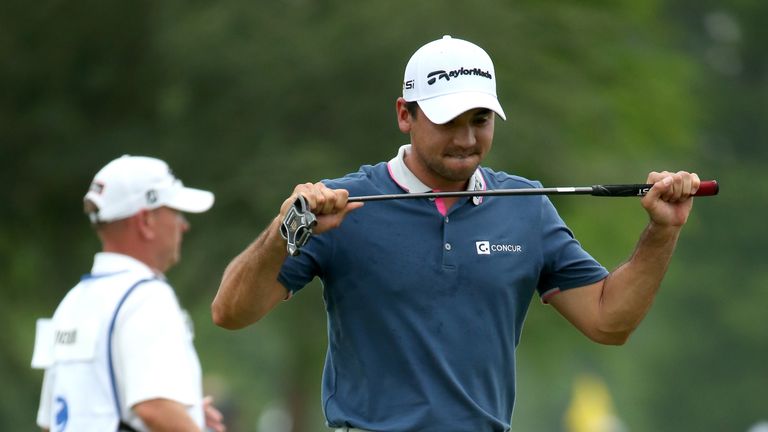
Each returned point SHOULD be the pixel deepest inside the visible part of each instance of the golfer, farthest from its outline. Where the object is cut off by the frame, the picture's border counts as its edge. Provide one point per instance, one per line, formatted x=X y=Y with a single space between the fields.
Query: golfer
x=118 y=352
x=426 y=298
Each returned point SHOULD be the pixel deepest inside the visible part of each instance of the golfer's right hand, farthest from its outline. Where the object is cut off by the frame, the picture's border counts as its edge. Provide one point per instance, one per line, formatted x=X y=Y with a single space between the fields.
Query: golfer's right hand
x=330 y=206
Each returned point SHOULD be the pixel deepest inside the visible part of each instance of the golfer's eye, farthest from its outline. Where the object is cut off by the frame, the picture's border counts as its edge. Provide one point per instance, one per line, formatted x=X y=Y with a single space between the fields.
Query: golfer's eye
x=482 y=117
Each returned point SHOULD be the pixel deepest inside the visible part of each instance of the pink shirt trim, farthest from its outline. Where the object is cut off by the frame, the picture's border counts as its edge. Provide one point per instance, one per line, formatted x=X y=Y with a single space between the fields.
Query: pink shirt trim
x=407 y=181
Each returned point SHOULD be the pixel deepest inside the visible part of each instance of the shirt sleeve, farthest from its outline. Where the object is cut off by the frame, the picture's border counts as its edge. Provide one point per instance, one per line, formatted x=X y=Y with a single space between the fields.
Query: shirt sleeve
x=566 y=264
x=155 y=356
x=298 y=271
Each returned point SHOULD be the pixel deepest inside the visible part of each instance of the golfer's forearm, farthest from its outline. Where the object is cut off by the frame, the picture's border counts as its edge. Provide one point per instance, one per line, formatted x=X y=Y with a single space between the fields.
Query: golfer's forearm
x=249 y=287
x=629 y=290
x=165 y=415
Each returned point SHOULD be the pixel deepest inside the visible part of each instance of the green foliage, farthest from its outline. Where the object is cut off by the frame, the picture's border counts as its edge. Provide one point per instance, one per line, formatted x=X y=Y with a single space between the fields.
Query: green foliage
x=249 y=98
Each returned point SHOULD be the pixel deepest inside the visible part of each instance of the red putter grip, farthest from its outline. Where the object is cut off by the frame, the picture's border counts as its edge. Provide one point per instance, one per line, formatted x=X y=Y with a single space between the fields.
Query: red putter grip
x=708 y=188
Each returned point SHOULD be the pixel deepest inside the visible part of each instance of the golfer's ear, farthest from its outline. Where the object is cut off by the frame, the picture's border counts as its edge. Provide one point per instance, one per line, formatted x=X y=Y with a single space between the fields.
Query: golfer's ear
x=145 y=223
x=404 y=118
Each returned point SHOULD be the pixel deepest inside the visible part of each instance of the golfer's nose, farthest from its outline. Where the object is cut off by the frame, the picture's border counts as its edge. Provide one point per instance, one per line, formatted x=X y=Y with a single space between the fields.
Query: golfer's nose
x=465 y=136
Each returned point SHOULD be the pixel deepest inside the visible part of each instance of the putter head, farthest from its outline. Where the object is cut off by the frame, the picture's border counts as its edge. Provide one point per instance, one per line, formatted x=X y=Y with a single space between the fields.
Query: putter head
x=297 y=225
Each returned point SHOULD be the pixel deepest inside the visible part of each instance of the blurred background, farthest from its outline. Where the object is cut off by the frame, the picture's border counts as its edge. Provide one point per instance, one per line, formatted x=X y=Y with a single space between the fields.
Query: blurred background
x=249 y=98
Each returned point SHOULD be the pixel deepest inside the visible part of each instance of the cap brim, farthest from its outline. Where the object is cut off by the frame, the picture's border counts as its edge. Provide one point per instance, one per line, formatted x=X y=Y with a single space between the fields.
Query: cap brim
x=442 y=109
x=190 y=200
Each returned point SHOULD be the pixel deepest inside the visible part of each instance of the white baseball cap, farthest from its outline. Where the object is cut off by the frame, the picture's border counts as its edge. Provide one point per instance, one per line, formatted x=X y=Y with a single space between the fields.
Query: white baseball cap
x=130 y=184
x=450 y=76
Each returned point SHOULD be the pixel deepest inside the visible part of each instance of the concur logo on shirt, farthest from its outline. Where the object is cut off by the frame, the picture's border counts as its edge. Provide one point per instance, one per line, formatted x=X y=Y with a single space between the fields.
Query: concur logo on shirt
x=486 y=248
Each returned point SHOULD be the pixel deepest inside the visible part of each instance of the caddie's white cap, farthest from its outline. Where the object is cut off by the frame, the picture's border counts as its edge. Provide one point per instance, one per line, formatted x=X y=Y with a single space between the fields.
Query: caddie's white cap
x=450 y=76
x=130 y=184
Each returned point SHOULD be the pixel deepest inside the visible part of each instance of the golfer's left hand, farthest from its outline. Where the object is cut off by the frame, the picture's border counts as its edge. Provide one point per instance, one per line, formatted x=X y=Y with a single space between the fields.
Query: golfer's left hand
x=670 y=200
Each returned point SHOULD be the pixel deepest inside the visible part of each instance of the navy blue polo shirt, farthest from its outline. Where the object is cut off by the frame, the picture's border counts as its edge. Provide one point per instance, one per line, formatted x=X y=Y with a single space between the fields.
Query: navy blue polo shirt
x=425 y=306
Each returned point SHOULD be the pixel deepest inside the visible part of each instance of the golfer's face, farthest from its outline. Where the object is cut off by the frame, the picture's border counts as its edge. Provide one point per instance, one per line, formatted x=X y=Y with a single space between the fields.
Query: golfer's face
x=451 y=152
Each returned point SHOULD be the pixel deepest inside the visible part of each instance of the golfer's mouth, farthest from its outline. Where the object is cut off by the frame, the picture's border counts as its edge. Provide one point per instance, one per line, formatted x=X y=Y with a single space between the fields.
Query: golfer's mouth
x=463 y=157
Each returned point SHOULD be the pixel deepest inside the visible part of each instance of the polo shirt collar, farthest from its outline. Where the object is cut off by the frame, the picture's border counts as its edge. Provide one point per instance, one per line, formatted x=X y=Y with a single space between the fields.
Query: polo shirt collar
x=407 y=181
x=111 y=262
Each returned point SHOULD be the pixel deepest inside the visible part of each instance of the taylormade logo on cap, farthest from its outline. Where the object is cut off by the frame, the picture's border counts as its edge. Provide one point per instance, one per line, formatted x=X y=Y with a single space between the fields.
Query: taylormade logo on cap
x=450 y=76
x=441 y=74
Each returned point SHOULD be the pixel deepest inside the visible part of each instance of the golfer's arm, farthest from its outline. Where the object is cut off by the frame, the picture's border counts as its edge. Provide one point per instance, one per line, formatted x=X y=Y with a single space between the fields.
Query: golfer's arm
x=610 y=310
x=249 y=287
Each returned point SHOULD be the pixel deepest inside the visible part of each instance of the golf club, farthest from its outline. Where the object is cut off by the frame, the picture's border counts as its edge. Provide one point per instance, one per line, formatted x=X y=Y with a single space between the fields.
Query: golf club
x=297 y=225
x=706 y=188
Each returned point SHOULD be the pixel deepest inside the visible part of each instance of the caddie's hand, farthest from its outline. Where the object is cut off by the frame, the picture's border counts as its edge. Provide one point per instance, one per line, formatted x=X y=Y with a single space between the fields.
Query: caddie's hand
x=214 y=420
x=330 y=206
x=670 y=200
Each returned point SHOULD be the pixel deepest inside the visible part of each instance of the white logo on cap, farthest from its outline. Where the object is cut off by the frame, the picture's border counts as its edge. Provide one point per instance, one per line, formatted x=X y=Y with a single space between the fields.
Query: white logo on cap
x=151 y=196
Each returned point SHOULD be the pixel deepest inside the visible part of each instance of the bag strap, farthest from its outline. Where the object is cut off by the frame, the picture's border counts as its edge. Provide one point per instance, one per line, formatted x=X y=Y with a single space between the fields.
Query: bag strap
x=122 y=426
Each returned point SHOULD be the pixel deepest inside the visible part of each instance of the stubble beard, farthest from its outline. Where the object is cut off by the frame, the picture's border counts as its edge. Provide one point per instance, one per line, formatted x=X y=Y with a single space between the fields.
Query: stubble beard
x=442 y=170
